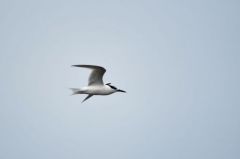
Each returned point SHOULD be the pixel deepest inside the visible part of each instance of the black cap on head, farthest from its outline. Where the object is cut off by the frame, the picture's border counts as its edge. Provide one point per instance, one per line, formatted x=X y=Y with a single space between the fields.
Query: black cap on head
x=113 y=87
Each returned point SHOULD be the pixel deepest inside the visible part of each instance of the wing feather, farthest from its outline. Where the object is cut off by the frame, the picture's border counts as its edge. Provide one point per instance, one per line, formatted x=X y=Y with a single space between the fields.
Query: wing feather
x=96 y=76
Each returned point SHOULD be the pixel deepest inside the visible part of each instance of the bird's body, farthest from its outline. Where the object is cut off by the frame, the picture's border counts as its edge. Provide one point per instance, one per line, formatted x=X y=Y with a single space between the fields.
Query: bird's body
x=95 y=83
x=96 y=90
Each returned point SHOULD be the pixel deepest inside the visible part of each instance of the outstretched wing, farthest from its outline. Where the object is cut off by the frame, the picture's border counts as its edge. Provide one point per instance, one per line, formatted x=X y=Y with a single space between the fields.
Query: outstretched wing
x=96 y=76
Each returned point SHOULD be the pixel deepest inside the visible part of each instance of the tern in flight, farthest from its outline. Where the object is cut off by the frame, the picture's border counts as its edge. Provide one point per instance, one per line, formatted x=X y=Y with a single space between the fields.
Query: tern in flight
x=95 y=83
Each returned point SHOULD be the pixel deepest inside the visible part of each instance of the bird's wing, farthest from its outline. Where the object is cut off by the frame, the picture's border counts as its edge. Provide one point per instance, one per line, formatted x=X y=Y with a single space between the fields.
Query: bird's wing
x=89 y=96
x=96 y=76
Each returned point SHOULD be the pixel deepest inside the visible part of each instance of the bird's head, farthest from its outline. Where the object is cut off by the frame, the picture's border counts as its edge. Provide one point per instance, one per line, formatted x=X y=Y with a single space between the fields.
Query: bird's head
x=115 y=88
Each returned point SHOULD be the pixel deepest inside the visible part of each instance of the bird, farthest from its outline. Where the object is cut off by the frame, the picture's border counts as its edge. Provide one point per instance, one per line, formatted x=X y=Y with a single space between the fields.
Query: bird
x=96 y=85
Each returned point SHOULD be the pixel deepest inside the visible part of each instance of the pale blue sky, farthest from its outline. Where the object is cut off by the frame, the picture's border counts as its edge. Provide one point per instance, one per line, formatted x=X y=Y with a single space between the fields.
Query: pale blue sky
x=178 y=60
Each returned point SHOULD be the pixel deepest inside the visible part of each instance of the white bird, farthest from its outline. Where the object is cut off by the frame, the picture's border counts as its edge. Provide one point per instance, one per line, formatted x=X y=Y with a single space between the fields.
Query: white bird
x=95 y=83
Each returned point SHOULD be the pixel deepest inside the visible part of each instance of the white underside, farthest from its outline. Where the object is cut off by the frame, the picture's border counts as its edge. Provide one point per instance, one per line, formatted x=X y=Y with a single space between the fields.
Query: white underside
x=97 y=90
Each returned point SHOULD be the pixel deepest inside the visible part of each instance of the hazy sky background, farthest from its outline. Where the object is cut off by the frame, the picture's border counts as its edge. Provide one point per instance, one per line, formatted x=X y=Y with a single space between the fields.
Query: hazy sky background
x=178 y=60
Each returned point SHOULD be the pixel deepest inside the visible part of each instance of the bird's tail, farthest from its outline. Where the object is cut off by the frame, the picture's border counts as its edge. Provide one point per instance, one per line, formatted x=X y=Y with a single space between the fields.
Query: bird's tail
x=75 y=91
